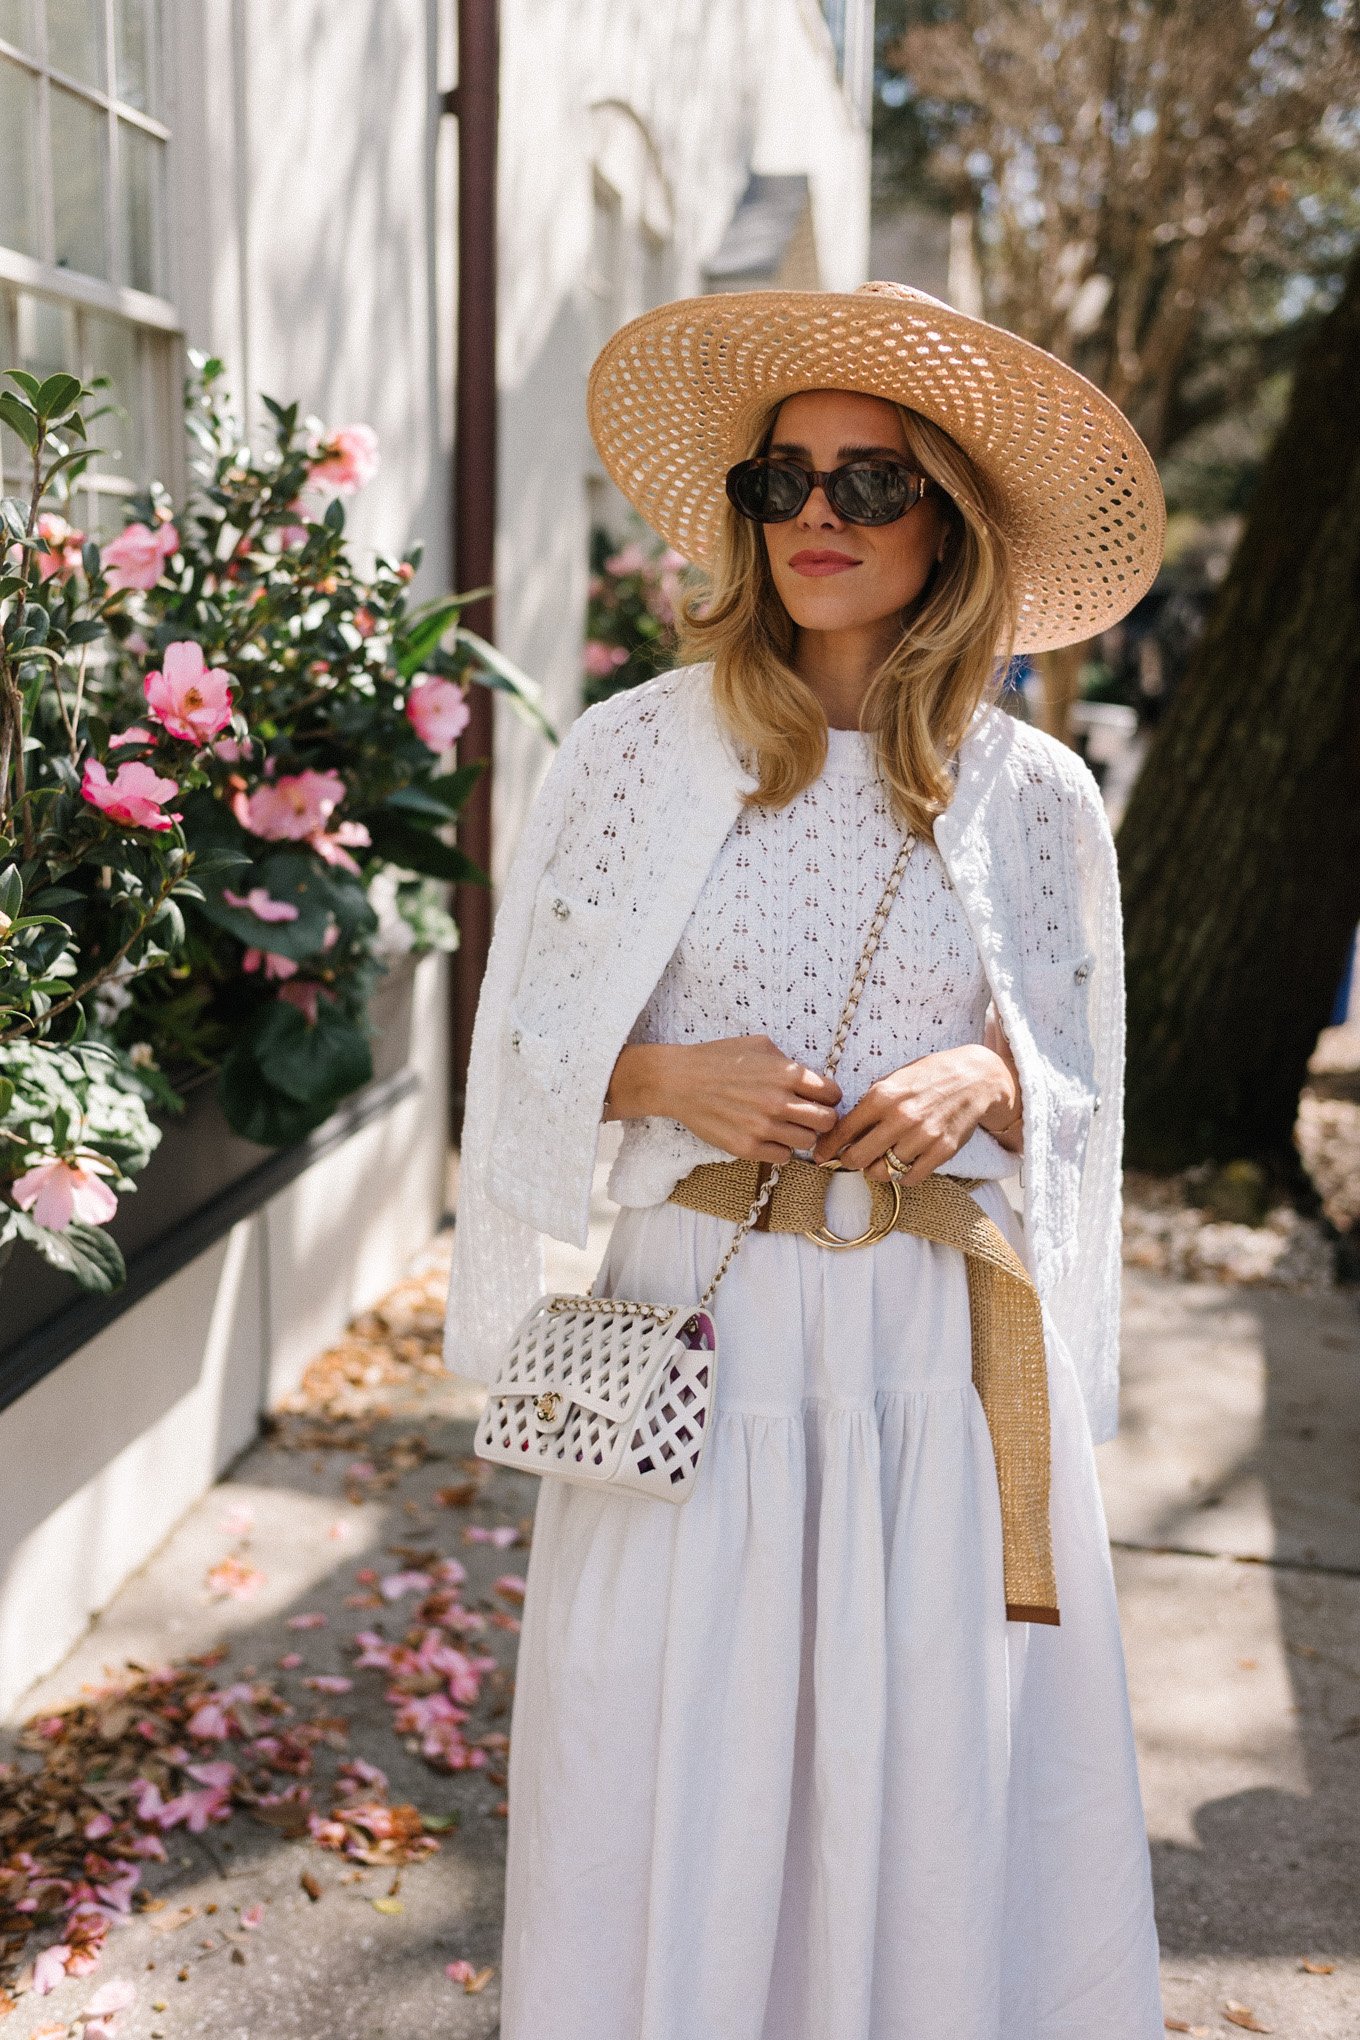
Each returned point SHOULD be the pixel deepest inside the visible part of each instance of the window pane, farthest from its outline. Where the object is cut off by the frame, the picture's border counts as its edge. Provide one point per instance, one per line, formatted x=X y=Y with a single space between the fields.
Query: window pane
x=75 y=39
x=16 y=23
x=137 y=48
x=18 y=127
x=79 y=158
x=140 y=168
x=111 y=350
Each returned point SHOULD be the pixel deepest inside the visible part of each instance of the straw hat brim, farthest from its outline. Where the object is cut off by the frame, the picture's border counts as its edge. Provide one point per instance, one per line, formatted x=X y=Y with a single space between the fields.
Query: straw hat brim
x=675 y=395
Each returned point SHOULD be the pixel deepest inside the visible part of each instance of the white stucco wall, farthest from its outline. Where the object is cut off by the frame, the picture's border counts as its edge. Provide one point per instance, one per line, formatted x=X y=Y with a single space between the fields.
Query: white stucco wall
x=314 y=230
x=673 y=107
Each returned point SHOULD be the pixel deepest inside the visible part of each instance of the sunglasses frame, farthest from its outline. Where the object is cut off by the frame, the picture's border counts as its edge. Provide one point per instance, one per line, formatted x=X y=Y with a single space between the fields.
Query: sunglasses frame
x=815 y=479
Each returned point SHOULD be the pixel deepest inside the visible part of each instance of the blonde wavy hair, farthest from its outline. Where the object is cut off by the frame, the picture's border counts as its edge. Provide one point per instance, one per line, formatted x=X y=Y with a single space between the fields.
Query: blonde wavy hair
x=925 y=693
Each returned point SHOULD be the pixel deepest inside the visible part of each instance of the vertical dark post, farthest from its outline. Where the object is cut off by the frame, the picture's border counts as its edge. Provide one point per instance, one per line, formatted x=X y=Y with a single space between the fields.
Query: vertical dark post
x=475 y=471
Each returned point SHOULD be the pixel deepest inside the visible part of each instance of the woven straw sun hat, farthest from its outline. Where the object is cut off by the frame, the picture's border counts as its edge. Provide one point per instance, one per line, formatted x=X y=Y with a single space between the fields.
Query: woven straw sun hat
x=675 y=396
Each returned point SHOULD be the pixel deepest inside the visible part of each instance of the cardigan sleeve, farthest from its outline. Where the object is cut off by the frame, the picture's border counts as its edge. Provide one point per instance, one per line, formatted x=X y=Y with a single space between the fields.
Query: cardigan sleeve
x=497 y=1270
x=1085 y=1304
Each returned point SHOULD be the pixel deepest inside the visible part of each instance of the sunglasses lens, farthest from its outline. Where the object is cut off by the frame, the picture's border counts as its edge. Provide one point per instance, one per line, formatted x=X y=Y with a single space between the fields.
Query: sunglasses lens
x=768 y=492
x=873 y=492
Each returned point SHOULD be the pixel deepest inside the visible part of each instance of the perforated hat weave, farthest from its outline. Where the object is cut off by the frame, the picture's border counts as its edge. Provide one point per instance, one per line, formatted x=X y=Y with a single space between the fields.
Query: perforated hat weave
x=675 y=395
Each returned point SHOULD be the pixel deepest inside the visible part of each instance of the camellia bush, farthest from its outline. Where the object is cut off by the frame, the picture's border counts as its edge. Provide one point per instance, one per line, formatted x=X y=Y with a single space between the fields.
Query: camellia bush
x=633 y=603
x=220 y=743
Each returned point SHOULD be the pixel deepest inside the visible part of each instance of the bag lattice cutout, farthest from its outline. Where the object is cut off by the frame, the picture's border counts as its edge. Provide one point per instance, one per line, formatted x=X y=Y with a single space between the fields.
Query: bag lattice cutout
x=598 y=1389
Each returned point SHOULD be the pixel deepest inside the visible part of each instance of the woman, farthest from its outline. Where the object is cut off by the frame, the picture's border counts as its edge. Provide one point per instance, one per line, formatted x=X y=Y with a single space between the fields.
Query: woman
x=786 y=1765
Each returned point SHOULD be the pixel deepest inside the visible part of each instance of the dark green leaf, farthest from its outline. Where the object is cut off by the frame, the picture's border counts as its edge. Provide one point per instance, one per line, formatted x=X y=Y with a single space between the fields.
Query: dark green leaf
x=6 y=1095
x=416 y=800
x=19 y=418
x=454 y=787
x=56 y=395
x=29 y=384
x=89 y=559
x=11 y=891
x=316 y=1065
x=416 y=849
x=85 y=633
x=414 y=647
x=255 y=1110
x=334 y=519
x=506 y=677
x=81 y=1251
x=293 y=877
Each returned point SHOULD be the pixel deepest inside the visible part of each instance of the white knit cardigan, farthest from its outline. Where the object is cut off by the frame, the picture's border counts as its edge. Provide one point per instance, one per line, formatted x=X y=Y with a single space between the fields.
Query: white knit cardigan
x=621 y=839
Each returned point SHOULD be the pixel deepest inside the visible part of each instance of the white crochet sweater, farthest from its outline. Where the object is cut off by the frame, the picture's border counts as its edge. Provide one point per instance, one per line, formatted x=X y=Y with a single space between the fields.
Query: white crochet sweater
x=630 y=821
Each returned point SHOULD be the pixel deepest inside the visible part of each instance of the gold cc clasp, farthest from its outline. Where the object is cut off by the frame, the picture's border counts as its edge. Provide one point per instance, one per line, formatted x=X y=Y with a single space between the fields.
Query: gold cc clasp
x=822 y=1235
x=545 y=1408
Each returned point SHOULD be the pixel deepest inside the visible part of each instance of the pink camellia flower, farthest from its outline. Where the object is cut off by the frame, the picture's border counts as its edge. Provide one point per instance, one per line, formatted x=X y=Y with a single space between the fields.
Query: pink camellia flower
x=346 y=463
x=231 y=750
x=136 y=558
x=630 y=560
x=303 y=994
x=275 y=966
x=261 y=904
x=135 y=735
x=292 y=808
x=600 y=659
x=438 y=712
x=135 y=795
x=57 y=1192
x=333 y=847
x=97 y=1826
x=60 y=553
x=187 y=697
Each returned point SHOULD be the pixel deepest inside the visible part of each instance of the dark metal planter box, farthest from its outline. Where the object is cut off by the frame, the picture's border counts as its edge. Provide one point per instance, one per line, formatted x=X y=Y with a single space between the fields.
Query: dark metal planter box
x=201 y=1181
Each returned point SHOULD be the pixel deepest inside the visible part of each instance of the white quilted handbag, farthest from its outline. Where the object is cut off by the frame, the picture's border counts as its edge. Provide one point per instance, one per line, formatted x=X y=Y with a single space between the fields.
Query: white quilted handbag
x=597 y=1389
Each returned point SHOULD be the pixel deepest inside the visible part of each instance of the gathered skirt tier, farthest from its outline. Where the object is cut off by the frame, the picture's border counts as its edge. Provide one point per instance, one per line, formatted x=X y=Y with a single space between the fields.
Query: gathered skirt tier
x=780 y=1767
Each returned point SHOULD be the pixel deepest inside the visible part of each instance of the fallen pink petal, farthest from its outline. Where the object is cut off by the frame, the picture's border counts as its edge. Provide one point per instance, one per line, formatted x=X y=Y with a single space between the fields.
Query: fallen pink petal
x=253 y=1916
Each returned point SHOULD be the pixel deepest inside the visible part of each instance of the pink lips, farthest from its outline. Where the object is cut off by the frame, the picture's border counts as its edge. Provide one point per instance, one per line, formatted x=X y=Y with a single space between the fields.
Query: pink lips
x=812 y=565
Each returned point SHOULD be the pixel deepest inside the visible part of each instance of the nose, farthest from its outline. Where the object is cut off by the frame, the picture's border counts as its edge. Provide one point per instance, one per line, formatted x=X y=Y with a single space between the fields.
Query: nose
x=818 y=513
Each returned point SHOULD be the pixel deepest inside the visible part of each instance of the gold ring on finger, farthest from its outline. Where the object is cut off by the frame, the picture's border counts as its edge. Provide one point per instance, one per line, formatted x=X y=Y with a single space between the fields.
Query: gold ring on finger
x=895 y=1165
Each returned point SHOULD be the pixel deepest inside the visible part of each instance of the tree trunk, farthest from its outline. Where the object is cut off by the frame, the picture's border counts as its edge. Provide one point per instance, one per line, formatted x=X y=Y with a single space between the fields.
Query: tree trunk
x=1240 y=851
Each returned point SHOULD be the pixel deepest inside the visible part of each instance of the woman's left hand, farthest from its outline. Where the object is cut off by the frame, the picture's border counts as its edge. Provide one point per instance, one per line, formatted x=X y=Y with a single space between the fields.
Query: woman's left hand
x=925 y=1112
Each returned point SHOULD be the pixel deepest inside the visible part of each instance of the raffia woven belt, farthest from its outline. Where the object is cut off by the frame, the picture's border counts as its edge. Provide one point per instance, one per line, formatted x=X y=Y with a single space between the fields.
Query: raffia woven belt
x=1010 y=1371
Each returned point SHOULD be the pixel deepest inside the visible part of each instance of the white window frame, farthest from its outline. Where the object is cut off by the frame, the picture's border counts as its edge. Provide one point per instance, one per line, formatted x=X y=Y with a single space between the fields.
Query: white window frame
x=157 y=317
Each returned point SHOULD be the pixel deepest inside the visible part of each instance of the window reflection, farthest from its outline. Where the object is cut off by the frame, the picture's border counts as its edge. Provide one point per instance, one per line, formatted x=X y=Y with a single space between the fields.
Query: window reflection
x=79 y=153
x=18 y=158
x=75 y=39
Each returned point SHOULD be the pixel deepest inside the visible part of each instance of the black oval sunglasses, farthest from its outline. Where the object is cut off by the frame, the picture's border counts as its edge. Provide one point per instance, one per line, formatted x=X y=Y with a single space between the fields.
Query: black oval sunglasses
x=873 y=491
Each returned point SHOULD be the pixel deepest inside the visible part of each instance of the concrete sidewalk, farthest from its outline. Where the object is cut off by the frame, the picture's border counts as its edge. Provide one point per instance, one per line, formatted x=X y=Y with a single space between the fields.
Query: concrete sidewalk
x=1234 y=1501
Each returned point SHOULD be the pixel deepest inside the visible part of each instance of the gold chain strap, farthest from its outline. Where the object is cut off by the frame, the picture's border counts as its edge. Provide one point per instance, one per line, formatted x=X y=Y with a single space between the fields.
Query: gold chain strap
x=852 y=999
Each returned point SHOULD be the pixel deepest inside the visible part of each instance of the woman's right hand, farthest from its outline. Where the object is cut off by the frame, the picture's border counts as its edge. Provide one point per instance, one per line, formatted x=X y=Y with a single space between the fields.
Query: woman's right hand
x=743 y=1096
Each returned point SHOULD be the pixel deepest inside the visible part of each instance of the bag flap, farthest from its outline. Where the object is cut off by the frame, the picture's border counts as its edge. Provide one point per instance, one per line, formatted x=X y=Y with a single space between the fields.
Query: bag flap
x=606 y=1361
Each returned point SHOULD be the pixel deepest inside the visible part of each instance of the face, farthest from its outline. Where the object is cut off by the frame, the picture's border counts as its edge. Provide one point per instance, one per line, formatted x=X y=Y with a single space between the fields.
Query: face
x=834 y=576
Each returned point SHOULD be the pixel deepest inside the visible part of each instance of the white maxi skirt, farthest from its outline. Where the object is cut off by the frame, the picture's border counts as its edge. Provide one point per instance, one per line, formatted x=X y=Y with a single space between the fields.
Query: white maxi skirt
x=780 y=1768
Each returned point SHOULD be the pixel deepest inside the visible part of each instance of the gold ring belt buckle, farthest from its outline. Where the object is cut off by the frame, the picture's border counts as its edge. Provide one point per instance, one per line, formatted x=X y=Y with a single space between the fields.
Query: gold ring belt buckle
x=822 y=1235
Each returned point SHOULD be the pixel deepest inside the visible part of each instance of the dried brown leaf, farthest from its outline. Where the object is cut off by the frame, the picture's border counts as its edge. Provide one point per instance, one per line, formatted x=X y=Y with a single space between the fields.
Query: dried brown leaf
x=313 y=1886
x=1317 y=1968
x=1244 y=2016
